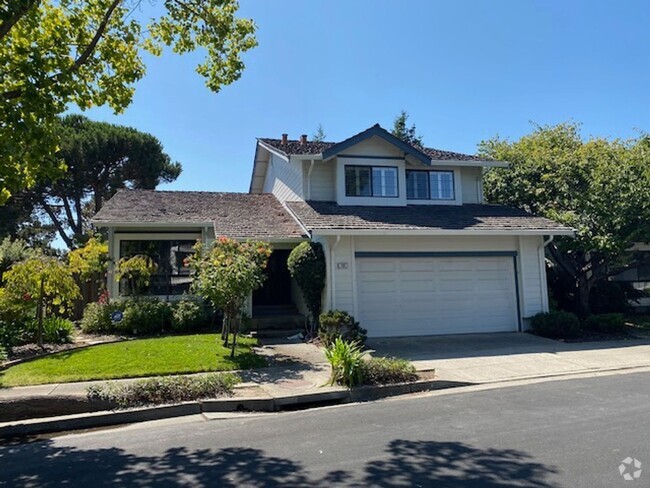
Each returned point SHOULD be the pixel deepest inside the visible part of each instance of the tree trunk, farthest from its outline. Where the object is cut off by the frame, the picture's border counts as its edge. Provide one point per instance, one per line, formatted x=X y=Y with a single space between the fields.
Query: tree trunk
x=235 y=331
x=39 y=333
x=584 y=291
x=225 y=332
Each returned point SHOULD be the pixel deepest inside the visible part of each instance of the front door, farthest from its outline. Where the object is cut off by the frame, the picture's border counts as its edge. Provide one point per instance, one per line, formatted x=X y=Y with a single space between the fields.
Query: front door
x=276 y=290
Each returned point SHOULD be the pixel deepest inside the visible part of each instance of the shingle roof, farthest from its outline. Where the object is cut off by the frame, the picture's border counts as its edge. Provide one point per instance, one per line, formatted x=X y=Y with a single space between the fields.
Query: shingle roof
x=314 y=147
x=237 y=215
x=330 y=216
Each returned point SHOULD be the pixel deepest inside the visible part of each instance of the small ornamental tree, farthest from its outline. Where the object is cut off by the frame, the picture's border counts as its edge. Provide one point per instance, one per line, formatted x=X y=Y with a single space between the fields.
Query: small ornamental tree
x=137 y=271
x=44 y=280
x=306 y=264
x=90 y=260
x=226 y=274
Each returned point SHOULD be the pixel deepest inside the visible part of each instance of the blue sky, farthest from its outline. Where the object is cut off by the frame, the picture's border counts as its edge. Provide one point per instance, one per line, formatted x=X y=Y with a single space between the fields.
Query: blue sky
x=464 y=70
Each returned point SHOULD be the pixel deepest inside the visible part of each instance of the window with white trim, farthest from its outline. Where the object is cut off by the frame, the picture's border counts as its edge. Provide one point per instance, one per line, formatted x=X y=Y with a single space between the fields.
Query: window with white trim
x=371 y=181
x=430 y=185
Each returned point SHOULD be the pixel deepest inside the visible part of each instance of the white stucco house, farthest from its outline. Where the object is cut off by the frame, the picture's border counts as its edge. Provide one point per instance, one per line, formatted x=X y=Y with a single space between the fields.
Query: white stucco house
x=411 y=247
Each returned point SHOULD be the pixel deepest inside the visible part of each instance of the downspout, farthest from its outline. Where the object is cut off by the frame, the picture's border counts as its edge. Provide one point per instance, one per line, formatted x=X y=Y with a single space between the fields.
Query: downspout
x=311 y=167
x=542 y=273
x=333 y=280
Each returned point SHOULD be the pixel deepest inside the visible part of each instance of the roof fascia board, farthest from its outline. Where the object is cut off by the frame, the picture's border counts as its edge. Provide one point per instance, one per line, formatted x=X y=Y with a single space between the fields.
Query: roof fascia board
x=145 y=225
x=471 y=162
x=441 y=232
x=273 y=150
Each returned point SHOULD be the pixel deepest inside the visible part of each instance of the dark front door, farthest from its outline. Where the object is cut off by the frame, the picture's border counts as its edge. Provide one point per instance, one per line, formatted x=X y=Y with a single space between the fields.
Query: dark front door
x=276 y=290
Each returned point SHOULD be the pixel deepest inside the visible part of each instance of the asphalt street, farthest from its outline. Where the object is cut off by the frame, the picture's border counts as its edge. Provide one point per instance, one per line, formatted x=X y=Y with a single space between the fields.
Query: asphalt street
x=572 y=433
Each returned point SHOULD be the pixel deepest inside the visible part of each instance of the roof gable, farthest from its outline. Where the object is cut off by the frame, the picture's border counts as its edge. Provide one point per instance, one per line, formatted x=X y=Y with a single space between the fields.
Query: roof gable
x=376 y=130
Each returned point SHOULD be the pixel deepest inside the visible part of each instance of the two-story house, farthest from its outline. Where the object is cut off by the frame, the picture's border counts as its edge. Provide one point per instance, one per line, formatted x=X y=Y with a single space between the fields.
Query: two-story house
x=411 y=248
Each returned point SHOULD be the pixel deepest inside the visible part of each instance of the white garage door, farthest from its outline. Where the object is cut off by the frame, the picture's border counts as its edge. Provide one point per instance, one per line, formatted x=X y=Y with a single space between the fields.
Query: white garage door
x=436 y=295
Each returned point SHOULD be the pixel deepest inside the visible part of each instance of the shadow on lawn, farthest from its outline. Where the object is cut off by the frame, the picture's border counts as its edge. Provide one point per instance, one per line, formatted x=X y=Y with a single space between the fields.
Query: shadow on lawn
x=405 y=463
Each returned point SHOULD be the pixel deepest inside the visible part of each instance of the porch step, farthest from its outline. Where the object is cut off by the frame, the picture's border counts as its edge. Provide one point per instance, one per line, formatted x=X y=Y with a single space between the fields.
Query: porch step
x=271 y=322
x=276 y=333
x=270 y=310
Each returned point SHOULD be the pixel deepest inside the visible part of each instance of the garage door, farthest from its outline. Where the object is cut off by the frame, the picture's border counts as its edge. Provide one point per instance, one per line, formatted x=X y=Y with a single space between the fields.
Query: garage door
x=436 y=295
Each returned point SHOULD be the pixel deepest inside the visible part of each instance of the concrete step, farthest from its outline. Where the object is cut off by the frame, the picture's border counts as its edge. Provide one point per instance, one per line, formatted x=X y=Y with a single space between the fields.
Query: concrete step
x=276 y=333
x=271 y=310
x=293 y=321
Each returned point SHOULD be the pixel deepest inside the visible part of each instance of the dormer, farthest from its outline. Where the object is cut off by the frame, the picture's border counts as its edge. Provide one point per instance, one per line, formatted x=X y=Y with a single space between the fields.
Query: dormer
x=372 y=168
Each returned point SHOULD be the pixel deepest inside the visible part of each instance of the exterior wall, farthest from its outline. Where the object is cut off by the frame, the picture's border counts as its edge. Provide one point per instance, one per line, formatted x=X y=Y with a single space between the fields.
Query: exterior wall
x=321 y=184
x=342 y=287
x=471 y=182
x=284 y=179
x=342 y=199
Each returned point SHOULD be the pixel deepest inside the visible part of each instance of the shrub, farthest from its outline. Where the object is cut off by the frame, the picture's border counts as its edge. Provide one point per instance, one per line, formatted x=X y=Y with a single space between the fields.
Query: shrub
x=144 y=317
x=346 y=358
x=610 y=323
x=164 y=389
x=14 y=319
x=3 y=354
x=306 y=264
x=56 y=330
x=556 y=325
x=187 y=315
x=97 y=318
x=385 y=371
x=339 y=324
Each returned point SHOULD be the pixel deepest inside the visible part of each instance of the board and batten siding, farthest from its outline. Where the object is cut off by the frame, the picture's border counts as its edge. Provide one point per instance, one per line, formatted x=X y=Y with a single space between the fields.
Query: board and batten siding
x=342 y=294
x=284 y=179
x=471 y=181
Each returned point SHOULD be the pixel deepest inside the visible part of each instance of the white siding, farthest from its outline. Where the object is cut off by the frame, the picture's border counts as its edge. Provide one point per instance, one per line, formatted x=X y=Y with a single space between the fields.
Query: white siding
x=471 y=181
x=284 y=179
x=322 y=182
x=532 y=277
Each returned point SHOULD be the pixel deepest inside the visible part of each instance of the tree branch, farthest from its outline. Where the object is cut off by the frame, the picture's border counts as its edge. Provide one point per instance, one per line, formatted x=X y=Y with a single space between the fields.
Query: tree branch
x=56 y=222
x=18 y=14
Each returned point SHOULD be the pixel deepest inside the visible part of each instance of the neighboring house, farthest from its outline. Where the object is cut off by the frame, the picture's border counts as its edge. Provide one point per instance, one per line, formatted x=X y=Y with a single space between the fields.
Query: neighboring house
x=639 y=276
x=411 y=248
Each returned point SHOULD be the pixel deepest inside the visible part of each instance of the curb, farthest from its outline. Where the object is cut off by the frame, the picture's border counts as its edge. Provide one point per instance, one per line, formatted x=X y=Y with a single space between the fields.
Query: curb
x=37 y=426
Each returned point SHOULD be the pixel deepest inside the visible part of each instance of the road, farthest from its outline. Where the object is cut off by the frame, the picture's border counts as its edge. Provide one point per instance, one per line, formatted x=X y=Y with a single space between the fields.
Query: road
x=572 y=433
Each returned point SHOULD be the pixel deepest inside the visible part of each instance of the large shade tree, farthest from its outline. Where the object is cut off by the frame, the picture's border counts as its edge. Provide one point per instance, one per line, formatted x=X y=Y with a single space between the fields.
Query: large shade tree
x=100 y=158
x=598 y=186
x=89 y=52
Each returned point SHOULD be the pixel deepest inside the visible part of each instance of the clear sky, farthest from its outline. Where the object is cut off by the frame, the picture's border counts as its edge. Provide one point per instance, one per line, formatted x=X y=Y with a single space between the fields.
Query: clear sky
x=464 y=70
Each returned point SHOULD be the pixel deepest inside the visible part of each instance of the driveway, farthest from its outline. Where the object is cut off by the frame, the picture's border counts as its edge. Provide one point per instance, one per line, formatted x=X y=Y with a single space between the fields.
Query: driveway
x=486 y=358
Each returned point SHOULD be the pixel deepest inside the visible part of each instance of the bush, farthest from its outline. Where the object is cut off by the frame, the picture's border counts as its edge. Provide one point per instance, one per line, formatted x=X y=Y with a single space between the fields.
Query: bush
x=306 y=264
x=187 y=315
x=556 y=325
x=56 y=330
x=97 y=318
x=339 y=324
x=610 y=323
x=346 y=358
x=385 y=371
x=3 y=354
x=144 y=317
x=164 y=389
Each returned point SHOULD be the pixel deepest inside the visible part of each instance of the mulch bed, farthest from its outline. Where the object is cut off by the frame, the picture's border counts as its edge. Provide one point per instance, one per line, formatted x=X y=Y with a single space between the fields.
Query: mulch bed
x=81 y=340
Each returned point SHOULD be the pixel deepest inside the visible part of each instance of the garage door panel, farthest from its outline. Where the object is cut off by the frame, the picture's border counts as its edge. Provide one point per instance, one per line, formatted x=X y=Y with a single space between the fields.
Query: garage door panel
x=422 y=296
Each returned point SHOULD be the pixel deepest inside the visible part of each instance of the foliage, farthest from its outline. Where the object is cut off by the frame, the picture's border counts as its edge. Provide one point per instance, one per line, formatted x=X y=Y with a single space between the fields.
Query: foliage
x=144 y=317
x=89 y=53
x=178 y=354
x=97 y=317
x=187 y=315
x=19 y=221
x=386 y=371
x=556 y=325
x=56 y=330
x=319 y=135
x=101 y=158
x=226 y=274
x=337 y=324
x=306 y=264
x=346 y=358
x=599 y=187
x=14 y=317
x=11 y=252
x=613 y=297
x=137 y=271
x=164 y=389
x=4 y=355
x=42 y=281
x=90 y=259
x=609 y=323
x=405 y=133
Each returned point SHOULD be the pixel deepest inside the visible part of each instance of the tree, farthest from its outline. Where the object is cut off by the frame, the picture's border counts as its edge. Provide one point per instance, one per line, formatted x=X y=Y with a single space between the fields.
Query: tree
x=11 y=252
x=89 y=53
x=226 y=275
x=319 y=135
x=100 y=158
x=137 y=271
x=44 y=280
x=405 y=133
x=306 y=264
x=599 y=187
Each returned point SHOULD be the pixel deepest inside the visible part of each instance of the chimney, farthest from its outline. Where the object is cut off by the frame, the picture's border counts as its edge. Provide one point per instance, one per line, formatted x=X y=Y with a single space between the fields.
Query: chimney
x=284 y=139
x=303 y=139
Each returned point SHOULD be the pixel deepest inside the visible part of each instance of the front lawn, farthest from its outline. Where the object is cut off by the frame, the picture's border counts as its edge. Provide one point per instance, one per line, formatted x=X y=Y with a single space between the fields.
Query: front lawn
x=136 y=358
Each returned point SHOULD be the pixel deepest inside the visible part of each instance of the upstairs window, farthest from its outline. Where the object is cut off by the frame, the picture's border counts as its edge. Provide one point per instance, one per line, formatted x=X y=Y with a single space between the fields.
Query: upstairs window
x=371 y=181
x=430 y=185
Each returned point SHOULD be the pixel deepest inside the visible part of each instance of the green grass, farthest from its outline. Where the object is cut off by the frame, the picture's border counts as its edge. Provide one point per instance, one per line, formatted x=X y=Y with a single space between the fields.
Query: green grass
x=638 y=320
x=136 y=358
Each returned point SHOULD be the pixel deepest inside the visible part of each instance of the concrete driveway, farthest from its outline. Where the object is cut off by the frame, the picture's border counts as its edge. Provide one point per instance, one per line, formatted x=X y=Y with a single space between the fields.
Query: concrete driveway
x=486 y=358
